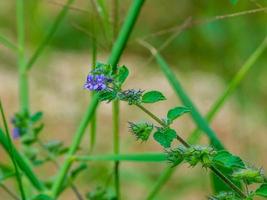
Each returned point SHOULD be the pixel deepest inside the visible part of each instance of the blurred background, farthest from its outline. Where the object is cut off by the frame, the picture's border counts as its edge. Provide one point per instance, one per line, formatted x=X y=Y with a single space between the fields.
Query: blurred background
x=204 y=56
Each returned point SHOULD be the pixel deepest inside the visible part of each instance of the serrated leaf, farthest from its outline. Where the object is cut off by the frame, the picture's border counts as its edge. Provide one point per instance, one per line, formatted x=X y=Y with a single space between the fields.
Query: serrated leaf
x=36 y=117
x=176 y=112
x=42 y=197
x=227 y=160
x=152 y=97
x=233 y=2
x=262 y=190
x=165 y=137
x=123 y=73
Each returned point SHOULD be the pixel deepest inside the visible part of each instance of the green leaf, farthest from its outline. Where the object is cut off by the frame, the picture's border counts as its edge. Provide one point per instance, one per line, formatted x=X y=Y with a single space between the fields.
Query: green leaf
x=74 y=173
x=225 y=159
x=165 y=137
x=152 y=97
x=177 y=112
x=36 y=117
x=123 y=73
x=233 y=2
x=262 y=190
x=42 y=197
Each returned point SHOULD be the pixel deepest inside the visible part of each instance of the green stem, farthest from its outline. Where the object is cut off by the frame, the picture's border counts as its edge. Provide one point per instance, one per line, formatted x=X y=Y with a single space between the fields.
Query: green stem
x=249 y=63
x=8 y=191
x=7 y=43
x=94 y=120
x=11 y=154
x=74 y=146
x=116 y=145
x=23 y=79
x=49 y=36
x=144 y=157
x=212 y=168
x=113 y=60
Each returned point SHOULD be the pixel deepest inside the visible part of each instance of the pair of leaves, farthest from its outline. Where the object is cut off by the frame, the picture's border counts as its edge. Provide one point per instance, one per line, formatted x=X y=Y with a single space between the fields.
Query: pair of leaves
x=165 y=137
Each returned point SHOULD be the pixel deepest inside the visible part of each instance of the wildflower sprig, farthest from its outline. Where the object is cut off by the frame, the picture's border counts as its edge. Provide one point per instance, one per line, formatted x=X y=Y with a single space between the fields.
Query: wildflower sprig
x=109 y=86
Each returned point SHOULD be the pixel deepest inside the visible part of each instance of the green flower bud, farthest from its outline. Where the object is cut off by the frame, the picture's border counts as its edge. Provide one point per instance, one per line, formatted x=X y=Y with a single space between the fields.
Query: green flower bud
x=249 y=175
x=142 y=131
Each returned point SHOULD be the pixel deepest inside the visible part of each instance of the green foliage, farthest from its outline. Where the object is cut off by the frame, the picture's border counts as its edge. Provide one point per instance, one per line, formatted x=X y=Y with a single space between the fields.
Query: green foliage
x=249 y=175
x=165 y=136
x=233 y=2
x=152 y=97
x=262 y=190
x=176 y=112
x=224 y=196
x=122 y=75
x=100 y=193
x=141 y=130
x=42 y=197
x=225 y=159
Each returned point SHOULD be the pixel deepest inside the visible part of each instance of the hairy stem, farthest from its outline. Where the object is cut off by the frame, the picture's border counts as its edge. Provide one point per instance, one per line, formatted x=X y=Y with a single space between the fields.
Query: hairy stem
x=212 y=168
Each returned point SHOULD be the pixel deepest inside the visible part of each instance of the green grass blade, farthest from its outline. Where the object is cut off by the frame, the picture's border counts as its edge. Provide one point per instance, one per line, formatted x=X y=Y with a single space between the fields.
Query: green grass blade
x=49 y=35
x=23 y=164
x=7 y=43
x=141 y=157
x=113 y=60
x=197 y=117
x=249 y=63
x=11 y=153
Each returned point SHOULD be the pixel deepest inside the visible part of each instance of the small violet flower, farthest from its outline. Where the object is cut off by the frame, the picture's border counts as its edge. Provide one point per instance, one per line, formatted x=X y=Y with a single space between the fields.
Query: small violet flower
x=16 y=133
x=96 y=82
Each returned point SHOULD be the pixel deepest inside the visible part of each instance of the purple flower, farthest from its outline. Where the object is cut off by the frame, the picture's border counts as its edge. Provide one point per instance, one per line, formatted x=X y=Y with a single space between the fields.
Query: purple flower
x=15 y=133
x=96 y=82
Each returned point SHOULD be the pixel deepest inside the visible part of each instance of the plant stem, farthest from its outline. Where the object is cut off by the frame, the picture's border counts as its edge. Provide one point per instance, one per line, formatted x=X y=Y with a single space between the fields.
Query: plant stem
x=249 y=63
x=54 y=160
x=23 y=79
x=74 y=146
x=94 y=58
x=113 y=60
x=144 y=157
x=49 y=35
x=8 y=191
x=7 y=43
x=11 y=153
x=116 y=145
x=187 y=145
x=227 y=181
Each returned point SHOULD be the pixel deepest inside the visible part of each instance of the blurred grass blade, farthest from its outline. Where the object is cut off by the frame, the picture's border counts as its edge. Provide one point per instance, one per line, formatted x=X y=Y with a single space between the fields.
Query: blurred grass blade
x=7 y=43
x=11 y=153
x=113 y=60
x=144 y=157
x=194 y=137
x=94 y=59
x=49 y=35
x=180 y=92
x=22 y=163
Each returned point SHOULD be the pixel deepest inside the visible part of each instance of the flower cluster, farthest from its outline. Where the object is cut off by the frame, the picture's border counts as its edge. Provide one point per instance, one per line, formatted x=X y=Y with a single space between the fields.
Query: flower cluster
x=132 y=96
x=97 y=82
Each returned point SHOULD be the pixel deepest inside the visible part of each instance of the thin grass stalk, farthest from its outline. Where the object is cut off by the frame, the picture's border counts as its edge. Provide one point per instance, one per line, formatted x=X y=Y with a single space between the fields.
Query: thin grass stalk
x=93 y=124
x=23 y=77
x=9 y=192
x=11 y=153
x=141 y=157
x=49 y=35
x=22 y=163
x=240 y=75
x=116 y=110
x=113 y=60
x=7 y=43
